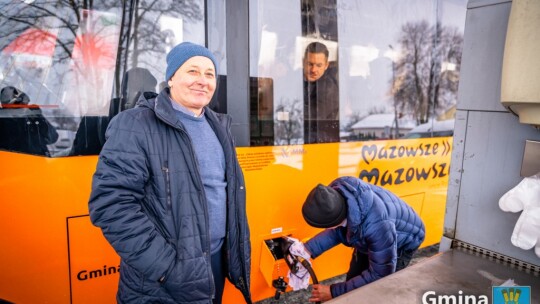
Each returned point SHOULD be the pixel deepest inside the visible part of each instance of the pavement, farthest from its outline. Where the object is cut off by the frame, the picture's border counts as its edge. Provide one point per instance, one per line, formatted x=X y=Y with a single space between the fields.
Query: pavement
x=301 y=296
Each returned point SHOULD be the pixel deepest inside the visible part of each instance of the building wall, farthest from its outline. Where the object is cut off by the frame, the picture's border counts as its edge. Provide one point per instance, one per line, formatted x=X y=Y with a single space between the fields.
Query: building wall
x=488 y=140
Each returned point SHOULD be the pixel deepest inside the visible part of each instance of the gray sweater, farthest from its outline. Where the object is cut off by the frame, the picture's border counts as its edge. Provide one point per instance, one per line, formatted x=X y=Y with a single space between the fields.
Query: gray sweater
x=211 y=161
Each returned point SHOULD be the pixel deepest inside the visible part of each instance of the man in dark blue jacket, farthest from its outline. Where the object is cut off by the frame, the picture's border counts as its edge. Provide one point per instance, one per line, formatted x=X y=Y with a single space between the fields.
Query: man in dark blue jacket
x=169 y=194
x=383 y=230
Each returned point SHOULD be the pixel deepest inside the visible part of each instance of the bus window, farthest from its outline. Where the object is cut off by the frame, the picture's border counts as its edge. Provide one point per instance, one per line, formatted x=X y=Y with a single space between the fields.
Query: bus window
x=62 y=57
x=340 y=74
x=299 y=59
x=80 y=64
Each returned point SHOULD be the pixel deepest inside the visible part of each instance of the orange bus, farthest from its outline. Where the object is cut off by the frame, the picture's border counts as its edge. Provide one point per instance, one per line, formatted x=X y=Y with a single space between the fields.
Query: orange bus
x=67 y=67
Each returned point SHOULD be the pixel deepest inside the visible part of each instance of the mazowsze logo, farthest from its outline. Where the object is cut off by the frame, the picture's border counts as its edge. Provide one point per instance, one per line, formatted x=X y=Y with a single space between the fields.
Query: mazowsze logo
x=511 y=295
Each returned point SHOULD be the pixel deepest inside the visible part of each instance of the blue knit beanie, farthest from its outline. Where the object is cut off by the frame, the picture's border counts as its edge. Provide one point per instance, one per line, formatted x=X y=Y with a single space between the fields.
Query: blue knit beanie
x=182 y=53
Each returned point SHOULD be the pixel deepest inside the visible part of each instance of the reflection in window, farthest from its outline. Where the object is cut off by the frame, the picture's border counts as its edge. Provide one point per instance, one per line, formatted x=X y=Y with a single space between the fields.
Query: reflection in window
x=321 y=95
x=300 y=56
x=62 y=56
x=395 y=64
x=79 y=64
x=23 y=126
x=262 y=112
x=403 y=67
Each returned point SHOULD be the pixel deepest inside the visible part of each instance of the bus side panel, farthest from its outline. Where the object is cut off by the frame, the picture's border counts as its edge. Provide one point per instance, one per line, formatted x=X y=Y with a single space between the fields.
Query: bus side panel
x=41 y=198
x=52 y=253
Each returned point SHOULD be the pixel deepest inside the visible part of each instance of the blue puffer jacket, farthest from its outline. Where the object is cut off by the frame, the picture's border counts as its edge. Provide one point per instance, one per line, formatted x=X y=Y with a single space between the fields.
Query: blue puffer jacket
x=379 y=224
x=148 y=199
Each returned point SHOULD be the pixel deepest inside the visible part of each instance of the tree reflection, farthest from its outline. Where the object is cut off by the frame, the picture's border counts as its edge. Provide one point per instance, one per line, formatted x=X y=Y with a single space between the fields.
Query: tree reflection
x=141 y=32
x=70 y=56
x=147 y=38
x=427 y=73
x=289 y=128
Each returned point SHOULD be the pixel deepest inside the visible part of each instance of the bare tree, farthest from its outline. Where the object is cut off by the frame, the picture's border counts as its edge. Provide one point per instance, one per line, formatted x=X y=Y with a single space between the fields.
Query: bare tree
x=139 y=20
x=290 y=127
x=146 y=36
x=426 y=75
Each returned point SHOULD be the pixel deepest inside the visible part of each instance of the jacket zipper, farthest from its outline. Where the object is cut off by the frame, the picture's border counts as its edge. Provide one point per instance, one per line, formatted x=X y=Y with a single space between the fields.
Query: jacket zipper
x=206 y=253
x=205 y=204
x=201 y=186
x=165 y=169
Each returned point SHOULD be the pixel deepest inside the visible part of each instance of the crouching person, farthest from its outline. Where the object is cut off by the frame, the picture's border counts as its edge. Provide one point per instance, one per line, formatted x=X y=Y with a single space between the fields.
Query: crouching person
x=383 y=230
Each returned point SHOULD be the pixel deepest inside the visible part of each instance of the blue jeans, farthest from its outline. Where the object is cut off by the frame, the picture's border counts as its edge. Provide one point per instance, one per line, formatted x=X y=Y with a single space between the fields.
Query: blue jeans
x=218 y=271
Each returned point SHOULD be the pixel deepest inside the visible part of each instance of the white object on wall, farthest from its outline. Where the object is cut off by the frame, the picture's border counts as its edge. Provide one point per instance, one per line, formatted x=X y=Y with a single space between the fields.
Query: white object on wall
x=525 y=197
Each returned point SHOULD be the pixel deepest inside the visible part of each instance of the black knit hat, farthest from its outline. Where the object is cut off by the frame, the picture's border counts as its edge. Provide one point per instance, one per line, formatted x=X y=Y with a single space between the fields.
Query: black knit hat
x=324 y=207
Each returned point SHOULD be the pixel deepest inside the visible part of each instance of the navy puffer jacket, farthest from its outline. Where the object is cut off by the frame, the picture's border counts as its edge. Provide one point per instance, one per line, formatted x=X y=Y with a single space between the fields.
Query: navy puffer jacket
x=379 y=224
x=148 y=198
